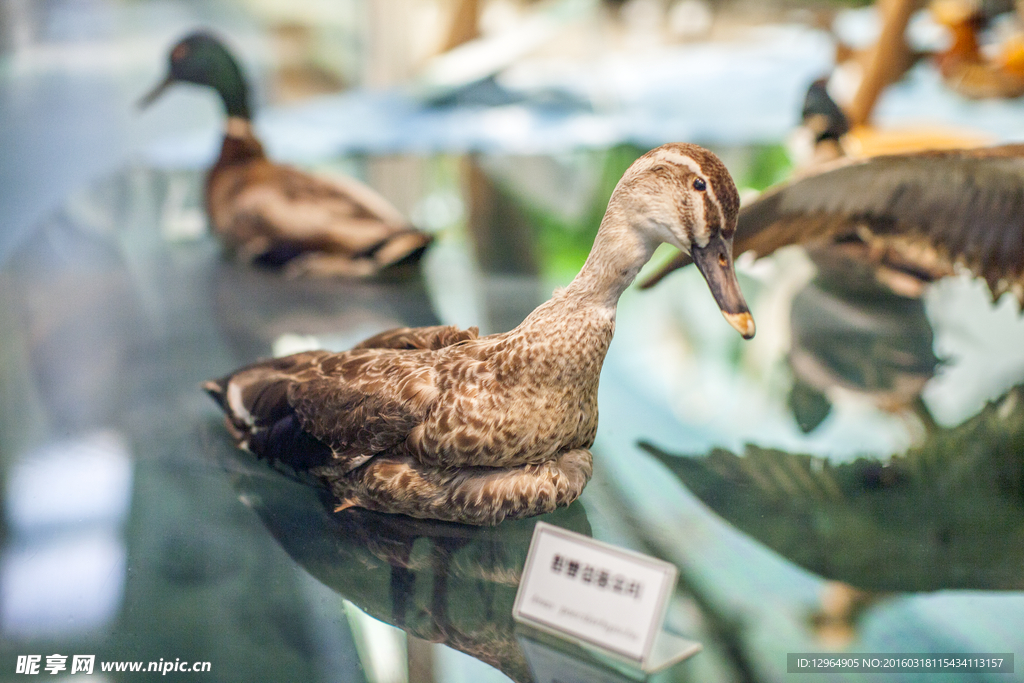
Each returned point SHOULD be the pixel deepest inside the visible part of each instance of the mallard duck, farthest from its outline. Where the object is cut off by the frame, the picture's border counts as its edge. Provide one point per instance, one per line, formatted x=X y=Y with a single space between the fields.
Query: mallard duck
x=441 y=423
x=826 y=125
x=919 y=214
x=276 y=215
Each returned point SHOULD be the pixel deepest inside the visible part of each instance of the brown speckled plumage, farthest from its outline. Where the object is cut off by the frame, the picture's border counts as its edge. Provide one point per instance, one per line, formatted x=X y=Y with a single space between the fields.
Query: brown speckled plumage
x=441 y=423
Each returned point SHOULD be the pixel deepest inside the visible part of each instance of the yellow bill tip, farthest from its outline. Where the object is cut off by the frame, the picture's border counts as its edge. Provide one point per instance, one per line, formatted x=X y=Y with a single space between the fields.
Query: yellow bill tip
x=743 y=322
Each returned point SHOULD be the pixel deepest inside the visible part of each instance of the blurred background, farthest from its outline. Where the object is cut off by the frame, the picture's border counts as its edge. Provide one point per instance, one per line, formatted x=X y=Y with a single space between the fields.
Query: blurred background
x=852 y=480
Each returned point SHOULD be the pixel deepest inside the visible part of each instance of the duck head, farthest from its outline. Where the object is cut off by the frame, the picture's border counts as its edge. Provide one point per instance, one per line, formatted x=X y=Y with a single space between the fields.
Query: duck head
x=202 y=59
x=683 y=194
x=821 y=115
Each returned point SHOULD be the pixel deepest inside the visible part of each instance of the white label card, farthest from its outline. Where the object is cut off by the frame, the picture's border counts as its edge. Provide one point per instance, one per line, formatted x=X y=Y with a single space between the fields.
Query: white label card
x=594 y=592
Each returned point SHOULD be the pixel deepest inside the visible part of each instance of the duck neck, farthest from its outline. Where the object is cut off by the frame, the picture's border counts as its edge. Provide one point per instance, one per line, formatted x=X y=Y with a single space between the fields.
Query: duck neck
x=240 y=145
x=226 y=77
x=238 y=127
x=618 y=254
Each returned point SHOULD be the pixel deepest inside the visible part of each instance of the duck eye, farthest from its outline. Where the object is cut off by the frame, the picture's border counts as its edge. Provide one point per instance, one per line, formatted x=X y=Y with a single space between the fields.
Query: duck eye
x=699 y=184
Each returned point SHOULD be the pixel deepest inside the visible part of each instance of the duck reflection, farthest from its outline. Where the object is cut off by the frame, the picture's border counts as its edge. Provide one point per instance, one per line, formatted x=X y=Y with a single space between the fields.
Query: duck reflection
x=886 y=348
x=438 y=581
x=257 y=309
x=948 y=514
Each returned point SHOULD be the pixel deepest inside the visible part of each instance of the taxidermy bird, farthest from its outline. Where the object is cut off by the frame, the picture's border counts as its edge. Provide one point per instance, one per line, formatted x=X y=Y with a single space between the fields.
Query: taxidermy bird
x=917 y=216
x=441 y=423
x=276 y=215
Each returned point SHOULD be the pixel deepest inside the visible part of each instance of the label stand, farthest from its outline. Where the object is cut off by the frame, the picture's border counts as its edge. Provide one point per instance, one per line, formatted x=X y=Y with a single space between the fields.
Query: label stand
x=670 y=649
x=557 y=659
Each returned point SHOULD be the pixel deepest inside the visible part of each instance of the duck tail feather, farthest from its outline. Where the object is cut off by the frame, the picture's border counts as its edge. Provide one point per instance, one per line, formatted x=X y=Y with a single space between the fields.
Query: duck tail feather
x=403 y=247
x=217 y=389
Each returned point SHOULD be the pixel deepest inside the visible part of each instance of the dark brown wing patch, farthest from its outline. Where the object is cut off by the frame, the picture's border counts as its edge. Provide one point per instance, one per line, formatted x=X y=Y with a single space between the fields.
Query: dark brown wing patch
x=364 y=402
x=279 y=215
x=968 y=205
x=432 y=338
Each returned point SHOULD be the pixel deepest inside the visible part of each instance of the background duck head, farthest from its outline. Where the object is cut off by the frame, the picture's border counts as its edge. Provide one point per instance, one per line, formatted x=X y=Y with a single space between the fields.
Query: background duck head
x=202 y=59
x=825 y=121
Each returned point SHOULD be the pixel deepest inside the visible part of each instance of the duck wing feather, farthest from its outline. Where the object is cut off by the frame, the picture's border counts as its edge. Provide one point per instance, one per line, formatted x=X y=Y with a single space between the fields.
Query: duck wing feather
x=317 y=407
x=968 y=205
x=366 y=401
x=433 y=338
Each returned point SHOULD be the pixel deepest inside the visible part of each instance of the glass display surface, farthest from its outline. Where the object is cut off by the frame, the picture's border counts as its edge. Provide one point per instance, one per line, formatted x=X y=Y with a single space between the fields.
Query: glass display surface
x=851 y=480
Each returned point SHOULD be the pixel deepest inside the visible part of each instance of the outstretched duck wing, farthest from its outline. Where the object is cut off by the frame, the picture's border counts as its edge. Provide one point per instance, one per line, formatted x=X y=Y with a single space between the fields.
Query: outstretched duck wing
x=967 y=205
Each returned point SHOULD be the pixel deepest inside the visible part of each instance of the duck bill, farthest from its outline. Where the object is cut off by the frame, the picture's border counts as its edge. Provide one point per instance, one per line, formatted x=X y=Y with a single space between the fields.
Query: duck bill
x=715 y=263
x=155 y=92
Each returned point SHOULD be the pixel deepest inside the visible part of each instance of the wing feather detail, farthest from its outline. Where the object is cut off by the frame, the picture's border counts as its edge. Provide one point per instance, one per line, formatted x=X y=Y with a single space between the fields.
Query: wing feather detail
x=344 y=408
x=967 y=205
x=410 y=338
x=365 y=403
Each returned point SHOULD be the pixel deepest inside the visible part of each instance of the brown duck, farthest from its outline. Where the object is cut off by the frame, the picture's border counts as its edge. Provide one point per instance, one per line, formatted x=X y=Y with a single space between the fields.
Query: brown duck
x=441 y=423
x=276 y=215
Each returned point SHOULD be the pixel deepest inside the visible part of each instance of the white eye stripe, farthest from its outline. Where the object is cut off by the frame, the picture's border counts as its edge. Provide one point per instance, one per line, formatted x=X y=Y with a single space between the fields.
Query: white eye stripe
x=669 y=156
x=701 y=233
x=673 y=157
x=699 y=227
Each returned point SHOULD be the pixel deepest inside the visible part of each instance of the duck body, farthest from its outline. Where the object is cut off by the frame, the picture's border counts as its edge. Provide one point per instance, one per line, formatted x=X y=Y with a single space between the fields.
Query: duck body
x=441 y=423
x=276 y=215
x=457 y=432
